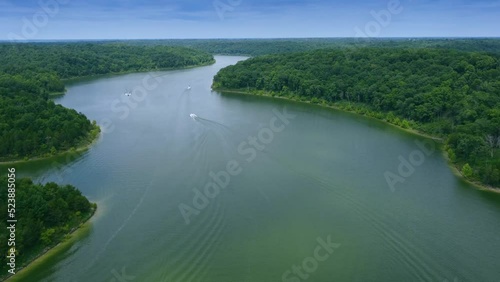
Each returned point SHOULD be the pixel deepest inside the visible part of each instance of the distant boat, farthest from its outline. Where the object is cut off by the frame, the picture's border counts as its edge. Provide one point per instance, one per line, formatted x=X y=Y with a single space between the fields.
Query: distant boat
x=189 y=87
x=128 y=93
x=193 y=116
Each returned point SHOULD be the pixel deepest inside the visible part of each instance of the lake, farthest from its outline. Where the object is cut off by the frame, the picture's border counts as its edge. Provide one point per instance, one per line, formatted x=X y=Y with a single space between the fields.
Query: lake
x=260 y=189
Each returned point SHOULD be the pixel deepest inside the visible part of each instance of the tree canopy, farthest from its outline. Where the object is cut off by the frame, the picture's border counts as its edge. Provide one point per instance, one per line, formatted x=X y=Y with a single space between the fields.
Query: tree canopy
x=257 y=47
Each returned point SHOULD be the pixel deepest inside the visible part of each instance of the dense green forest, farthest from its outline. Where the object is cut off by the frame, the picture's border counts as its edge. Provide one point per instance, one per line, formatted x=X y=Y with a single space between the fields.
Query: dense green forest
x=68 y=60
x=44 y=213
x=248 y=47
x=447 y=93
x=256 y=47
x=31 y=125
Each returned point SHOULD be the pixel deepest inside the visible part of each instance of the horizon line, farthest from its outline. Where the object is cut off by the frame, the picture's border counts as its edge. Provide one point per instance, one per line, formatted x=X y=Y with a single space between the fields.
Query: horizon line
x=249 y=38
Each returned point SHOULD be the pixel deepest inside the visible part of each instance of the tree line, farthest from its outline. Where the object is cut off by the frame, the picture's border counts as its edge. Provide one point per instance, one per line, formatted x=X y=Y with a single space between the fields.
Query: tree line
x=258 y=47
x=443 y=92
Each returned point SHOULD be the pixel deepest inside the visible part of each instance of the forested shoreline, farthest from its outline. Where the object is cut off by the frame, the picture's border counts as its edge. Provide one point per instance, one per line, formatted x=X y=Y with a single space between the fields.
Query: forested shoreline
x=45 y=214
x=32 y=125
x=450 y=94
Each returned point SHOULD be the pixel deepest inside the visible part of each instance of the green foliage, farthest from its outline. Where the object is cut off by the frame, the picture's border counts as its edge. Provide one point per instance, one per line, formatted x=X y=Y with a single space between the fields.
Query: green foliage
x=467 y=171
x=451 y=155
x=405 y=124
x=31 y=124
x=44 y=213
x=47 y=236
x=446 y=93
x=44 y=64
x=257 y=47
x=35 y=126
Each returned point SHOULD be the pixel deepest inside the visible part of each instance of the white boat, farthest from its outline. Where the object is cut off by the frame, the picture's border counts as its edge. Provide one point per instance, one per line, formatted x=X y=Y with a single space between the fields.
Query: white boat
x=189 y=87
x=128 y=93
x=193 y=116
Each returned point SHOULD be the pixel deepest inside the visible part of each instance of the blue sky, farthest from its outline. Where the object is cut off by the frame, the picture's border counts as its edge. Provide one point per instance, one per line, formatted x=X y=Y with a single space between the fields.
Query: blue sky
x=131 y=19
